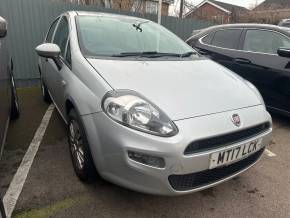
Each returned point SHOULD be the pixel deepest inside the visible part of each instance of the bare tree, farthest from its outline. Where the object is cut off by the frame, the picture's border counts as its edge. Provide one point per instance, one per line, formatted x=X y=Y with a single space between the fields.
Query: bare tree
x=254 y=5
x=188 y=5
x=234 y=15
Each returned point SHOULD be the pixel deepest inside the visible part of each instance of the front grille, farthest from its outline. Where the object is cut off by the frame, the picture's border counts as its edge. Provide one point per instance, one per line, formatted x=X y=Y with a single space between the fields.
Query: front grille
x=226 y=139
x=207 y=177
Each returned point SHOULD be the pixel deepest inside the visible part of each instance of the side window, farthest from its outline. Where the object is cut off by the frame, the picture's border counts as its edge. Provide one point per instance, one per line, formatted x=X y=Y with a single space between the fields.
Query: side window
x=227 y=38
x=265 y=41
x=68 y=54
x=61 y=35
x=51 y=31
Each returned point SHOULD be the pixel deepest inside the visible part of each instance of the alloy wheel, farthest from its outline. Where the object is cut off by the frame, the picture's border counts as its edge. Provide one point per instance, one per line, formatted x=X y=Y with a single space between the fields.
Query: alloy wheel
x=76 y=144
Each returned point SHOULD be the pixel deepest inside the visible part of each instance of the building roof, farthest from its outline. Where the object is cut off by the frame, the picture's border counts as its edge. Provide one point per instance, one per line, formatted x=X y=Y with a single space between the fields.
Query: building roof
x=273 y=4
x=228 y=8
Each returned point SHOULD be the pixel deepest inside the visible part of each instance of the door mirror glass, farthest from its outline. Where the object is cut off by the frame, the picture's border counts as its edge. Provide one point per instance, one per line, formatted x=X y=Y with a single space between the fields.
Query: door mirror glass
x=3 y=27
x=284 y=52
x=48 y=50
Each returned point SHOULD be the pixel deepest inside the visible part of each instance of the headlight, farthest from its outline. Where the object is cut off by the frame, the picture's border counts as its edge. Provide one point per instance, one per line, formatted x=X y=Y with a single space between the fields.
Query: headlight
x=132 y=110
x=251 y=85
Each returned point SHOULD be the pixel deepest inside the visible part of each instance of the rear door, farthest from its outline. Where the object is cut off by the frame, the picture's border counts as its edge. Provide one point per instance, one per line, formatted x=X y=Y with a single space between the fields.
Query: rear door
x=263 y=67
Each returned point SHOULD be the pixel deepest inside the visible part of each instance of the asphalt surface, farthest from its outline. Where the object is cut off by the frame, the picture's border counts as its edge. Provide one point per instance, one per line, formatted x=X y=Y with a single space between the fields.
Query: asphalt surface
x=53 y=190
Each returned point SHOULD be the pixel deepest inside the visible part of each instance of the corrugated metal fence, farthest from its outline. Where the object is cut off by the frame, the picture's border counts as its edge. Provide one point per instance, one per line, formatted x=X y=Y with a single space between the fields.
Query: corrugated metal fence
x=29 y=21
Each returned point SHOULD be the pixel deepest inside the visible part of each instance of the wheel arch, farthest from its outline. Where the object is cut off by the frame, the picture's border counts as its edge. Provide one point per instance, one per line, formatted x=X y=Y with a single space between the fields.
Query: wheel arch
x=69 y=105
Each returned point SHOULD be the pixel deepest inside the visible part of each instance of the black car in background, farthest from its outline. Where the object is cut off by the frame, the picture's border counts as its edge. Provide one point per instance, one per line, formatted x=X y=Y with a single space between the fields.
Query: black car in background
x=284 y=23
x=259 y=53
x=8 y=96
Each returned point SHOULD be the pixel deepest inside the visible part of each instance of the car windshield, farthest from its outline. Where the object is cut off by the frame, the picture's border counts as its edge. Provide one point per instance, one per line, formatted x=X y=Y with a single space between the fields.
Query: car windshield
x=123 y=37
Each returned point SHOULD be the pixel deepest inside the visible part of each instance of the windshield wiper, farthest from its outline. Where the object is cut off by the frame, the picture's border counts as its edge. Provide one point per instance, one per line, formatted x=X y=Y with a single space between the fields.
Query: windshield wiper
x=188 y=54
x=149 y=54
x=153 y=54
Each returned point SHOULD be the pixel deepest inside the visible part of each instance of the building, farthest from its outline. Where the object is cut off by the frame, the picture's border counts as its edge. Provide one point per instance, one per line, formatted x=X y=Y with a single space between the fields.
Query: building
x=217 y=12
x=273 y=5
x=138 y=6
x=142 y=6
x=269 y=11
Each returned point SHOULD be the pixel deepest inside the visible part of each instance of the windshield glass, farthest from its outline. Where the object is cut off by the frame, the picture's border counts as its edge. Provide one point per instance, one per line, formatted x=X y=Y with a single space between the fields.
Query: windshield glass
x=112 y=36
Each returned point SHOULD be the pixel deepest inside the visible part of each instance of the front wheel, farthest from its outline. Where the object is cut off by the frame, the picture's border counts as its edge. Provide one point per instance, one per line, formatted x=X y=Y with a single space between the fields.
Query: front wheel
x=79 y=149
x=14 y=113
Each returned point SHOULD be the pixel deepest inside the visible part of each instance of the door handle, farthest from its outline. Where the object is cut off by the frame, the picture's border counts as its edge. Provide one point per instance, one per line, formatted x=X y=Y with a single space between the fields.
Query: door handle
x=63 y=83
x=242 y=61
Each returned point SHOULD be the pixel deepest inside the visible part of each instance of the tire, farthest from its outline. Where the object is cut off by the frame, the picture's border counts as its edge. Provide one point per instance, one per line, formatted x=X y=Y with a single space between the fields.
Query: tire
x=14 y=113
x=2 y=210
x=79 y=149
x=45 y=93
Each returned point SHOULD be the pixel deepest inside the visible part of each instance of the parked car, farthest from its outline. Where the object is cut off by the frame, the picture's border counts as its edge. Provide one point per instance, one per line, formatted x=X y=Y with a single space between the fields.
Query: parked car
x=144 y=109
x=284 y=23
x=259 y=53
x=8 y=95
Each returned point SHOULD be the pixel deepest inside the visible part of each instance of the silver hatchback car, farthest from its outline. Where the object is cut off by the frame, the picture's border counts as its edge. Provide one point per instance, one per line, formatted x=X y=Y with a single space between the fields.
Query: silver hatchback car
x=144 y=110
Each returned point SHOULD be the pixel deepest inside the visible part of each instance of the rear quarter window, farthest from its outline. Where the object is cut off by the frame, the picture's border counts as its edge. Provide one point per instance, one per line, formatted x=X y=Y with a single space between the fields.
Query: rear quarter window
x=228 y=38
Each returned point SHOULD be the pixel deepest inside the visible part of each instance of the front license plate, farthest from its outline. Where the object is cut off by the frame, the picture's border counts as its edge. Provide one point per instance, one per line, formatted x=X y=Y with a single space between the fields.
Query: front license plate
x=234 y=154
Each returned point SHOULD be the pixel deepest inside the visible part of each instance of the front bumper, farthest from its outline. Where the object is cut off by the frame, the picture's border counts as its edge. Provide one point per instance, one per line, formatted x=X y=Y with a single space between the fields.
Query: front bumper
x=110 y=143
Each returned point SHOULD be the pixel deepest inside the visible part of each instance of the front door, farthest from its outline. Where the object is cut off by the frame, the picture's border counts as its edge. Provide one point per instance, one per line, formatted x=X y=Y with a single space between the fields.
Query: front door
x=56 y=73
x=5 y=90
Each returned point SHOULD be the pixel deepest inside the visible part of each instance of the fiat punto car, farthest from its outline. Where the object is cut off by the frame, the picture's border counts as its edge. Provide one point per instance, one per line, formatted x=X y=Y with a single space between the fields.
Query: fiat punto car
x=144 y=110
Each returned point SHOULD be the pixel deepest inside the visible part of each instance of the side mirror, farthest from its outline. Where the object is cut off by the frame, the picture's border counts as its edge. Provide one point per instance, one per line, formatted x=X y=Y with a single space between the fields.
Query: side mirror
x=50 y=50
x=284 y=52
x=3 y=27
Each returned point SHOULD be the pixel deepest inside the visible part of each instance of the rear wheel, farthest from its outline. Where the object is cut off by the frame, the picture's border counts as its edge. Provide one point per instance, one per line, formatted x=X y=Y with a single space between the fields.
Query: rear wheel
x=14 y=113
x=79 y=149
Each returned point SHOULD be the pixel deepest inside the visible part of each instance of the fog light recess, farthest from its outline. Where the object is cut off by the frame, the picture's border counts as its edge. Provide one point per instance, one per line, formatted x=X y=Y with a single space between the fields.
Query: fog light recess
x=147 y=159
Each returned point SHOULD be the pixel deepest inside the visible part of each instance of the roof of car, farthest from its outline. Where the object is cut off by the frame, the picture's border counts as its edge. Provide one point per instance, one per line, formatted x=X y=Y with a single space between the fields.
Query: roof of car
x=247 y=25
x=207 y=30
